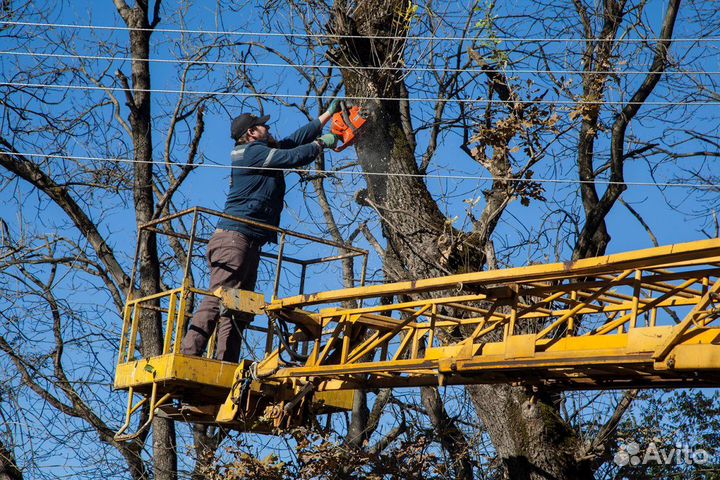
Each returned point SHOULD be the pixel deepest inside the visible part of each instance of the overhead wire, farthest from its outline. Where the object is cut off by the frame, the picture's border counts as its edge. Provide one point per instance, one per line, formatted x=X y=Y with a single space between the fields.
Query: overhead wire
x=183 y=61
x=357 y=98
x=363 y=173
x=335 y=35
x=276 y=34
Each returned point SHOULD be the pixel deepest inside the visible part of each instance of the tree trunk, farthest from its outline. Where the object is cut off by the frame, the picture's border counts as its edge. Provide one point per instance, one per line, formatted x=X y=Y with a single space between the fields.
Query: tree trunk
x=529 y=435
x=164 y=442
x=8 y=468
x=531 y=439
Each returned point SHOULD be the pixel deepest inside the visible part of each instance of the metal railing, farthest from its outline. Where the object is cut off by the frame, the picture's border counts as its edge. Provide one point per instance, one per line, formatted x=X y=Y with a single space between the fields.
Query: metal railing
x=179 y=300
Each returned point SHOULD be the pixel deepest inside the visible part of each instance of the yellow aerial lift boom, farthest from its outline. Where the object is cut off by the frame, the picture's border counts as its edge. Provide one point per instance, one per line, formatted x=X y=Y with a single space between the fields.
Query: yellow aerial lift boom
x=632 y=320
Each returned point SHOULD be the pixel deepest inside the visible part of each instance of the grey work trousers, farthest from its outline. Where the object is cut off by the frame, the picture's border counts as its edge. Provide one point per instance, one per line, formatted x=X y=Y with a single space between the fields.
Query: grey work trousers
x=233 y=260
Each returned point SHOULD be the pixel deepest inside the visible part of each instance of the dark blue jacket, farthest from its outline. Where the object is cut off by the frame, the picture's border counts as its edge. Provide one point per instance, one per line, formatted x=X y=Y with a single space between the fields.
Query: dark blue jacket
x=258 y=194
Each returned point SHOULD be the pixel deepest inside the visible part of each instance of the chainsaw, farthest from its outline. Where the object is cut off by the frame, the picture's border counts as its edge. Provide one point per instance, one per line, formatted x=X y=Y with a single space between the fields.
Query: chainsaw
x=346 y=124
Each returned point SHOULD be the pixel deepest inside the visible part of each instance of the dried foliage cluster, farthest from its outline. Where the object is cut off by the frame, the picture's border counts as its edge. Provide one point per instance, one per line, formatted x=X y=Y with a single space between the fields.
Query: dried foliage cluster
x=320 y=456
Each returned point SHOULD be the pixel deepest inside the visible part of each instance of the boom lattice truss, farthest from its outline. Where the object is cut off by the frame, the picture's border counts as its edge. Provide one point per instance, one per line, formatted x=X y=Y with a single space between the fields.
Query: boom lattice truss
x=639 y=319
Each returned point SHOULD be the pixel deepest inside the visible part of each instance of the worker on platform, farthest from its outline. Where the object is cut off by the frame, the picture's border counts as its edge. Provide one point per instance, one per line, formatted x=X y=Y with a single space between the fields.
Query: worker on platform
x=257 y=188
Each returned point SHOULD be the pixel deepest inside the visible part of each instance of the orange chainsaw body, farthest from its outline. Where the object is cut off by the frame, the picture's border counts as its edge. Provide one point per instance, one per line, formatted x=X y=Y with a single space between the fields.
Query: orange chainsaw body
x=345 y=124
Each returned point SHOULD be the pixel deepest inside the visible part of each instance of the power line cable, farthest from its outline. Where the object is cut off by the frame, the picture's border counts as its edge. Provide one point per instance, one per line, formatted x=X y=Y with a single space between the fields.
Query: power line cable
x=332 y=35
x=359 y=98
x=347 y=67
x=357 y=173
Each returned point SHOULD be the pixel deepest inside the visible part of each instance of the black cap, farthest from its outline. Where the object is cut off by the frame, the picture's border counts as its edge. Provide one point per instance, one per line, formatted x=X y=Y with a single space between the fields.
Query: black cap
x=241 y=124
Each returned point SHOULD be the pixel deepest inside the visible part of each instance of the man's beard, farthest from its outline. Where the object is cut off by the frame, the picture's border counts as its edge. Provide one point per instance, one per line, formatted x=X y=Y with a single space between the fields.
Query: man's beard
x=272 y=142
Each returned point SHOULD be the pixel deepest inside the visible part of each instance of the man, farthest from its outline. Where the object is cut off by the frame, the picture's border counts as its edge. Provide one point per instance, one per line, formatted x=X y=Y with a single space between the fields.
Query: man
x=257 y=188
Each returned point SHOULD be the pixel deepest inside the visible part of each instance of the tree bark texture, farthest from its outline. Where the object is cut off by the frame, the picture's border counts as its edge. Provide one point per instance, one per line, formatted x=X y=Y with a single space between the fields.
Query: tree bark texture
x=8 y=468
x=531 y=440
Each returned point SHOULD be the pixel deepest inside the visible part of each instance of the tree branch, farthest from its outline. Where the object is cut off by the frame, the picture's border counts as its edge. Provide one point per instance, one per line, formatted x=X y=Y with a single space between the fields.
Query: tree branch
x=156 y=14
x=31 y=173
x=595 y=217
x=639 y=218
x=610 y=427
x=186 y=169
x=123 y=10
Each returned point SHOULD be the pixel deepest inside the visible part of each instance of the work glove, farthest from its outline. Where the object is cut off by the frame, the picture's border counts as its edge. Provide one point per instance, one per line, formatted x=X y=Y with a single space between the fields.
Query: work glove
x=334 y=107
x=329 y=140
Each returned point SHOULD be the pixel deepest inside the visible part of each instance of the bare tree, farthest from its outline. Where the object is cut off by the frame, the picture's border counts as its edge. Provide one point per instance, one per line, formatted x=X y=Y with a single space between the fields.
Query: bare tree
x=530 y=436
x=76 y=134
